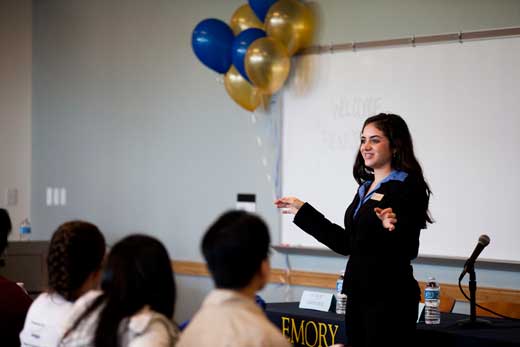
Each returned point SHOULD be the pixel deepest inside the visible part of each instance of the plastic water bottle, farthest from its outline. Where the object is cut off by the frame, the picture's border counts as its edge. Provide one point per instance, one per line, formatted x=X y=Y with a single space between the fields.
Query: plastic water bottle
x=25 y=230
x=432 y=301
x=341 y=299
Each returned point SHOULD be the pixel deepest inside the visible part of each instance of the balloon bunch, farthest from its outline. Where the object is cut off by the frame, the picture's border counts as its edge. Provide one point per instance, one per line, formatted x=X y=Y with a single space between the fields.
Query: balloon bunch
x=254 y=50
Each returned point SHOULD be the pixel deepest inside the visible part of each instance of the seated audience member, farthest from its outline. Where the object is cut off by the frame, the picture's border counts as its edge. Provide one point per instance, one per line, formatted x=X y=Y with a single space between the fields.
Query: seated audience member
x=136 y=303
x=236 y=249
x=14 y=301
x=74 y=263
x=258 y=299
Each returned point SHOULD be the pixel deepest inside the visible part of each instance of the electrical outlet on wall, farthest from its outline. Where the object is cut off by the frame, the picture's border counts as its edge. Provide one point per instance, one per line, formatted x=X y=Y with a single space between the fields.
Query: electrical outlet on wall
x=55 y=196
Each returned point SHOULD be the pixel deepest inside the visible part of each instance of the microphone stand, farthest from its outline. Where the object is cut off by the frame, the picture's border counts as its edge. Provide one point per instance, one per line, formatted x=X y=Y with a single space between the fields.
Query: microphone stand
x=473 y=322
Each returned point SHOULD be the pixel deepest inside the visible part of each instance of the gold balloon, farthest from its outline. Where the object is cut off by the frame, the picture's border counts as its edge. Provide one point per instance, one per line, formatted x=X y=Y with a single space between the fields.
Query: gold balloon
x=291 y=22
x=244 y=18
x=241 y=91
x=267 y=64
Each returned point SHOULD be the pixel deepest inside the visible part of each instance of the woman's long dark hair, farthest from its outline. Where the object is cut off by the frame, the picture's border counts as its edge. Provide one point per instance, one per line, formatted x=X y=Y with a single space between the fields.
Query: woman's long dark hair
x=403 y=156
x=138 y=273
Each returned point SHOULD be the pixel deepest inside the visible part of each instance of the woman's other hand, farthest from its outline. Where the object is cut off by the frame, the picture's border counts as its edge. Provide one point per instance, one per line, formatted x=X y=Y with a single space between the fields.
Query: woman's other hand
x=289 y=204
x=387 y=216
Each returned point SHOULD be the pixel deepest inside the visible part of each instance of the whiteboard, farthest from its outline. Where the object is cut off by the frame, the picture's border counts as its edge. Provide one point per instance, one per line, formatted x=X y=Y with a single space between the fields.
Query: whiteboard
x=462 y=104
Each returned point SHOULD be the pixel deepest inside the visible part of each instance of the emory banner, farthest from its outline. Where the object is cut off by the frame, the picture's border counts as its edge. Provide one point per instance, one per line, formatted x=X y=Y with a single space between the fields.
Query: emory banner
x=307 y=328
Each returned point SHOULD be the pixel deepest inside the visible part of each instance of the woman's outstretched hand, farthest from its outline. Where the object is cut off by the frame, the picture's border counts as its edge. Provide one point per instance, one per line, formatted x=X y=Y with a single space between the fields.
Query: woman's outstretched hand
x=289 y=204
x=387 y=216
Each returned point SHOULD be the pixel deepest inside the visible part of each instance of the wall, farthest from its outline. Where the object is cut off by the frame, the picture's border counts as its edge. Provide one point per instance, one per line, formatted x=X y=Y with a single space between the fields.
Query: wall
x=15 y=105
x=144 y=138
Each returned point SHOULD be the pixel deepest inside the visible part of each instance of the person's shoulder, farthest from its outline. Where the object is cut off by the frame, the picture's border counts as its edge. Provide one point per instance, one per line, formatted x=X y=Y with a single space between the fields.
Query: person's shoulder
x=84 y=331
x=232 y=313
x=241 y=321
x=264 y=331
x=147 y=328
x=255 y=318
x=39 y=303
x=405 y=186
x=88 y=297
x=13 y=293
x=82 y=304
x=8 y=285
x=53 y=298
x=50 y=305
x=406 y=180
x=413 y=178
x=203 y=329
x=146 y=318
x=415 y=183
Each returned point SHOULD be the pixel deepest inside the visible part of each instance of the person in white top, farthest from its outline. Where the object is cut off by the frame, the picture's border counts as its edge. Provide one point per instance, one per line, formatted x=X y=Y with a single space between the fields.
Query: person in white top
x=74 y=261
x=136 y=303
x=236 y=249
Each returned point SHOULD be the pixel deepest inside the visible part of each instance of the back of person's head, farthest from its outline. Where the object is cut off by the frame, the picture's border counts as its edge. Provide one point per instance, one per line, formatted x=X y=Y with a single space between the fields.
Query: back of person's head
x=5 y=229
x=138 y=272
x=76 y=252
x=234 y=247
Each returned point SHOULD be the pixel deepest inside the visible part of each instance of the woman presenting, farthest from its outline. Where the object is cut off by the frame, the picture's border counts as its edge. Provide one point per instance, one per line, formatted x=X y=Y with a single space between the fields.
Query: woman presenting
x=381 y=234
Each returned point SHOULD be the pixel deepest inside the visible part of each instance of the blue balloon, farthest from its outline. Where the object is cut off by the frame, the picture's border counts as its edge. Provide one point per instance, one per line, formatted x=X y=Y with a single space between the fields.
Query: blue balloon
x=211 y=41
x=261 y=7
x=240 y=45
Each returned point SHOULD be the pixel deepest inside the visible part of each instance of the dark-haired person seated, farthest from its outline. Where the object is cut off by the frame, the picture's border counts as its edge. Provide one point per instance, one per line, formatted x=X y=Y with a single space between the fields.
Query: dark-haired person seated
x=14 y=301
x=136 y=304
x=236 y=249
x=74 y=262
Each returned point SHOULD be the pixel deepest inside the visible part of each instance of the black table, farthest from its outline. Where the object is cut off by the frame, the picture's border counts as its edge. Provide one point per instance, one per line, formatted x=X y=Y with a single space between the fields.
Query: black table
x=307 y=327
x=501 y=333
x=314 y=328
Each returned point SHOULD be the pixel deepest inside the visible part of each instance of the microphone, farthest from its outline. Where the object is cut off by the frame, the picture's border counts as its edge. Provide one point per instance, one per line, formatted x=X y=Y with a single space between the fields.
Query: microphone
x=483 y=241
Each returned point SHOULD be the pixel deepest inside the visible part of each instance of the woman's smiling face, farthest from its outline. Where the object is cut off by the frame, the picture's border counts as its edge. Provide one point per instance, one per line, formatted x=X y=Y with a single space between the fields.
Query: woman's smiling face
x=375 y=148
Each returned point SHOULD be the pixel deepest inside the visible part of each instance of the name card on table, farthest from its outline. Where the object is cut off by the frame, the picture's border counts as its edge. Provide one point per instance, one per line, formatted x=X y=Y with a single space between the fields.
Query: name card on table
x=316 y=301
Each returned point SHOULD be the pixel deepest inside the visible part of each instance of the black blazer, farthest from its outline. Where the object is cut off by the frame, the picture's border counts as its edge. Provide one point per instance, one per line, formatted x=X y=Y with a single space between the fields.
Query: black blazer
x=378 y=257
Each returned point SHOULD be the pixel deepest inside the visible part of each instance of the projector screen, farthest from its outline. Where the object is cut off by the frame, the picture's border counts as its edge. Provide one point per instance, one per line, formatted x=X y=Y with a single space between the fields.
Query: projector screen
x=462 y=104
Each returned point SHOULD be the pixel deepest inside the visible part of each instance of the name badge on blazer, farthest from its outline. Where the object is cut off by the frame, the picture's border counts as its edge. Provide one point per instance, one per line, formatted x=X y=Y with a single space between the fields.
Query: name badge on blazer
x=377 y=197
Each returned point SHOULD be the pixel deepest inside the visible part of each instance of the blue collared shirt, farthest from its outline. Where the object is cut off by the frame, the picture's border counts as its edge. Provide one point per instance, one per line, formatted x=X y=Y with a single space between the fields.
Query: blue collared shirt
x=395 y=175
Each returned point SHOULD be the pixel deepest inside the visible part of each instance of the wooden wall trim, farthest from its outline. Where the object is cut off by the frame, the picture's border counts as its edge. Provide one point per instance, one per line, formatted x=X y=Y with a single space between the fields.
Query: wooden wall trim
x=191 y=268
x=327 y=280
